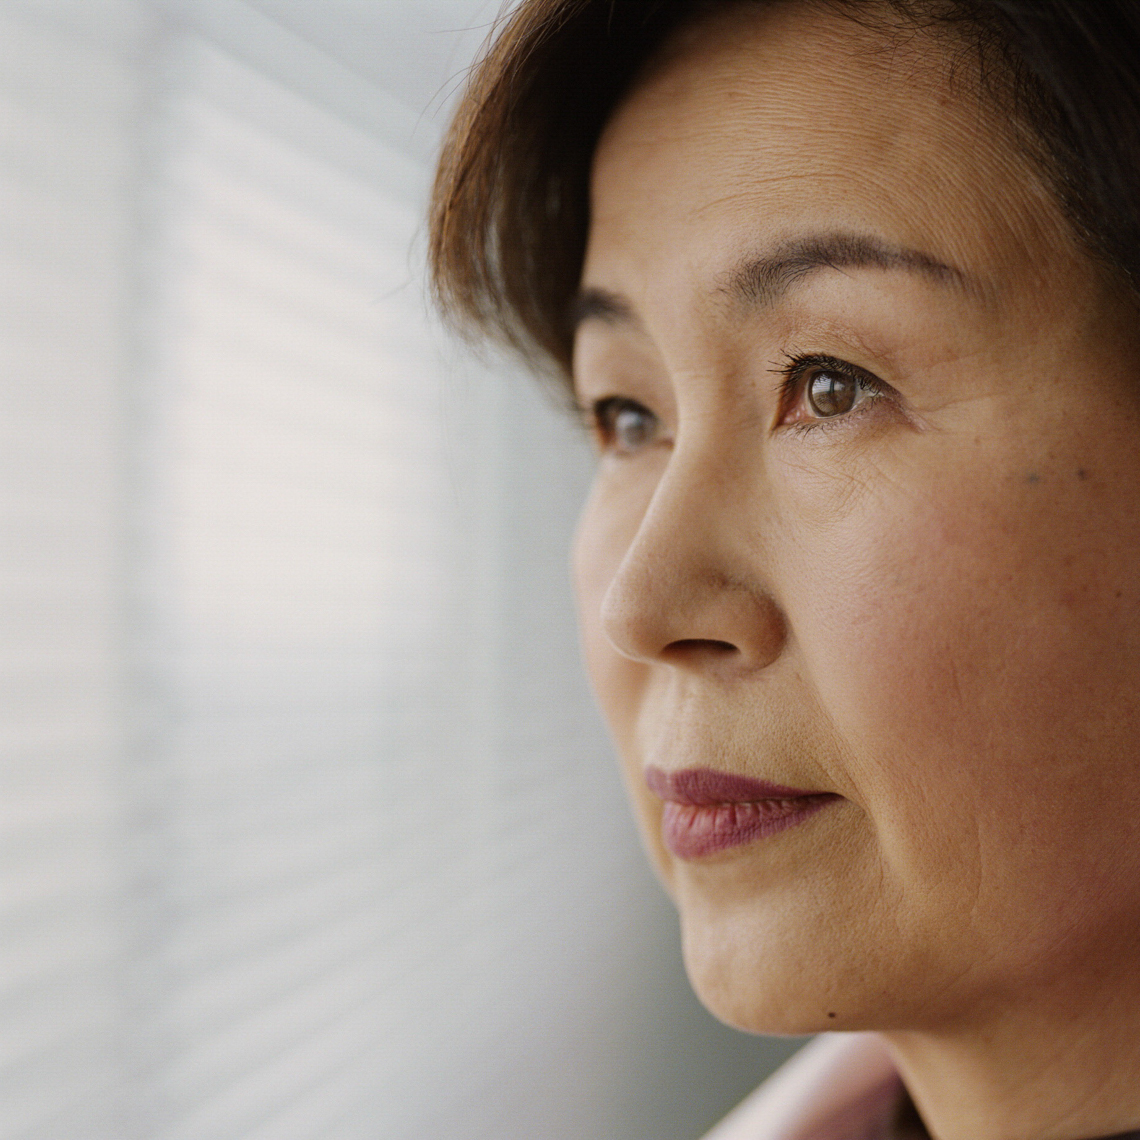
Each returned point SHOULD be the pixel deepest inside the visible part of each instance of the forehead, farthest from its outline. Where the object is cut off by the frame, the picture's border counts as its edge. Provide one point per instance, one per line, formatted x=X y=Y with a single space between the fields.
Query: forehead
x=769 y=122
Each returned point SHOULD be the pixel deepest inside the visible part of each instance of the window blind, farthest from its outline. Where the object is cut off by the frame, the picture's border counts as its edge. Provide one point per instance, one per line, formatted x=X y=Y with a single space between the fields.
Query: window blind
x=67 y=94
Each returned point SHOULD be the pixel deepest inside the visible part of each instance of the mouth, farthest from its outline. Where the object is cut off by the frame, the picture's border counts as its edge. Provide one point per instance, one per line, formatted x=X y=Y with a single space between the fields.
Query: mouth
x=708 y=811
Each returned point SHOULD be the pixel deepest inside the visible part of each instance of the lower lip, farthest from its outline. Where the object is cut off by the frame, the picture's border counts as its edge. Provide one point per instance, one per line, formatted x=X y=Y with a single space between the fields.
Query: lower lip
x=692 y=830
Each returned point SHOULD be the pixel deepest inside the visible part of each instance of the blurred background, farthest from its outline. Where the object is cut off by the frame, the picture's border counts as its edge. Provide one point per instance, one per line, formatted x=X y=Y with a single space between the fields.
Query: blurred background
x=308 y=827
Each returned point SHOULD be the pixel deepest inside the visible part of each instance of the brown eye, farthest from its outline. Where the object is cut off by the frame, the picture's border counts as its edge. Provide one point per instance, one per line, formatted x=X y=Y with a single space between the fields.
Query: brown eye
x=831 y=393
x=624 y=426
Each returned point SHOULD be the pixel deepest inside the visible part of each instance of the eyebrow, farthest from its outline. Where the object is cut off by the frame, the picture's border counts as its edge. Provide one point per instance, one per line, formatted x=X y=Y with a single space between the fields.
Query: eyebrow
x=761 y=281
x=601 y=305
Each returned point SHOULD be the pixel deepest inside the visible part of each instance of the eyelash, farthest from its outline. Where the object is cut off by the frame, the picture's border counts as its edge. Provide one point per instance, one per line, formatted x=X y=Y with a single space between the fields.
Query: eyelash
x=797 y=369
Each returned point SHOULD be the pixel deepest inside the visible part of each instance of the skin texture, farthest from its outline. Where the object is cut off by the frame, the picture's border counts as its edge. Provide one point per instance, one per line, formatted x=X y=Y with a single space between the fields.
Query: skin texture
x=929 y=605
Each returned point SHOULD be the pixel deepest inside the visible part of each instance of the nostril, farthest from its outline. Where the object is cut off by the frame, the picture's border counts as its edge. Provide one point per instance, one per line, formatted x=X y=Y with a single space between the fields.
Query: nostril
x=689 y=648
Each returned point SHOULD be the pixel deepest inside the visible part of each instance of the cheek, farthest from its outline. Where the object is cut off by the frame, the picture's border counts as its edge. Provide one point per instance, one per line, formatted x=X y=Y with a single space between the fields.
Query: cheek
x=601 y=540
x=605 y=531
x=978 y=664
x=607 y=528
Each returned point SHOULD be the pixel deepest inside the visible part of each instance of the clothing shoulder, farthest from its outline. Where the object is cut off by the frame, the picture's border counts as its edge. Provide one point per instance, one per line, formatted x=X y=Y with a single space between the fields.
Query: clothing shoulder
x=840 y=1086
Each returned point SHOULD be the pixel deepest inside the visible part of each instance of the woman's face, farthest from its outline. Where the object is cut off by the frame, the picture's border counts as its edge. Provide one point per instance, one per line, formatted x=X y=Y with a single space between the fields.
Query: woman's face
x=866 y=526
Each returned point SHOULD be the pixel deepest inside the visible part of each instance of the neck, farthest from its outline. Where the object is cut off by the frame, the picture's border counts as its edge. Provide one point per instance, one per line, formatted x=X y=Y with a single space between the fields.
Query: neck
x=1064 y=1066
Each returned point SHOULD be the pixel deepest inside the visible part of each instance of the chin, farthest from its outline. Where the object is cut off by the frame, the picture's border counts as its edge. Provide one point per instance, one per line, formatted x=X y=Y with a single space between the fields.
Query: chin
x=776 y=974
x=752 y=1004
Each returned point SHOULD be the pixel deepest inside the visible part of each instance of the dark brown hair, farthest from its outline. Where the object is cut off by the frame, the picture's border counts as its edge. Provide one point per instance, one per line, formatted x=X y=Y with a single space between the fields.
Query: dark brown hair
x=510 y=209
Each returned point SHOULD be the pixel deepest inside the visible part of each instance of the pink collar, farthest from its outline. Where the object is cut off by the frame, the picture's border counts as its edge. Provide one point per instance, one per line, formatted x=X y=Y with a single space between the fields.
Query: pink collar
x=841 y=1086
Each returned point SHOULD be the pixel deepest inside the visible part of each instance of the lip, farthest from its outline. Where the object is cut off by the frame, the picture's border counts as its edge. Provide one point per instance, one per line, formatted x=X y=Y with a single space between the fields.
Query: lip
x=707 y=811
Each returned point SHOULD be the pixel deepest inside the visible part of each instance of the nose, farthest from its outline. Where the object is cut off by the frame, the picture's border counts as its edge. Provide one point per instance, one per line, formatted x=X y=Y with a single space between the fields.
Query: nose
x=692 y=589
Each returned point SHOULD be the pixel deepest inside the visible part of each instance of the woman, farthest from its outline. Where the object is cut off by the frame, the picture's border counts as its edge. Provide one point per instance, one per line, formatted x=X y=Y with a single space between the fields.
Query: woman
x=848 y=294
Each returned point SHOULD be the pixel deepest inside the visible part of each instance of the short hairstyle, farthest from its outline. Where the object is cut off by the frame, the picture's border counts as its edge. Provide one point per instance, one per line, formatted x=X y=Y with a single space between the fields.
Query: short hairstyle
x=510 y=207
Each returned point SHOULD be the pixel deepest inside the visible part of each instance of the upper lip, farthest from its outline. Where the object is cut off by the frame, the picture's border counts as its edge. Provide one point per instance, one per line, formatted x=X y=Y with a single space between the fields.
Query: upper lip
x=701 y=786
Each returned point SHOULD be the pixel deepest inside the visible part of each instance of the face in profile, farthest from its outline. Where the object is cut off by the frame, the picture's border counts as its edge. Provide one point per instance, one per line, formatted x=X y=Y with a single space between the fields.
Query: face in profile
x=859 y=577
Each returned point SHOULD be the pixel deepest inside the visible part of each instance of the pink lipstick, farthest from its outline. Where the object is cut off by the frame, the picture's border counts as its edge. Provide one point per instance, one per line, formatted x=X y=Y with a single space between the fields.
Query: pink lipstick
x=708 y=811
